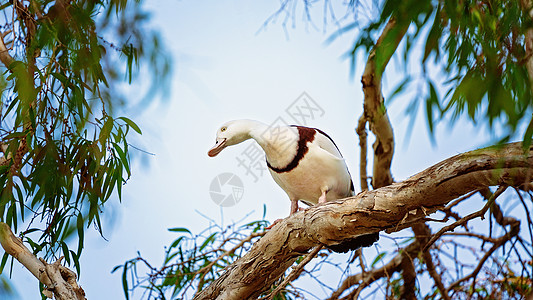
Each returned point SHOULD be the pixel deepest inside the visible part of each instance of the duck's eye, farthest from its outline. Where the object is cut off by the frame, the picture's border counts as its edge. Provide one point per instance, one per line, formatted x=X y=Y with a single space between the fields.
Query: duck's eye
x=223 y=129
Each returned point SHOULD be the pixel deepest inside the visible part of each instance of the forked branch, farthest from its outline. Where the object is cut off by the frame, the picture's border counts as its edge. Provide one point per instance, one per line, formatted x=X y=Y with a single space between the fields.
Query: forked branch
x=59 y=280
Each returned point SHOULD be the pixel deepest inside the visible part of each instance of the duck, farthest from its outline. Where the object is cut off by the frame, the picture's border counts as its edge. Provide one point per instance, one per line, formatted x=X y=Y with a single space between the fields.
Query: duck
x=303 y=161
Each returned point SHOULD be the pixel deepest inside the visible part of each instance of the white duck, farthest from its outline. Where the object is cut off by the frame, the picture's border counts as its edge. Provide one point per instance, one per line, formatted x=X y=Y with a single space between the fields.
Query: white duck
x=304 y=162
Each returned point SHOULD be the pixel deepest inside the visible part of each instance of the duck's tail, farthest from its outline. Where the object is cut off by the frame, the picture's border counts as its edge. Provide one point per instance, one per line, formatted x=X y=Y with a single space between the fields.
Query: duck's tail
x=355 y=243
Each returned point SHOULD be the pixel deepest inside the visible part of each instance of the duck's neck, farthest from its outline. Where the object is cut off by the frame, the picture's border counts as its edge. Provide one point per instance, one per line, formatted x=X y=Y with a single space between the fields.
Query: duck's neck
x=279 y=143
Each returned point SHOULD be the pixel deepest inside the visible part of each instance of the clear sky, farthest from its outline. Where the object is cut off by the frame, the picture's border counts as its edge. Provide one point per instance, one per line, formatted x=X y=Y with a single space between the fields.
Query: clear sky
x=228 y=66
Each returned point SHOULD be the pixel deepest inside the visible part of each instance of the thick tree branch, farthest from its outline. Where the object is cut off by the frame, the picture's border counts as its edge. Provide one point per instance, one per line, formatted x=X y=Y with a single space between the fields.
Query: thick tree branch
x=390 y=208
x=374 y=107
x=59 y=280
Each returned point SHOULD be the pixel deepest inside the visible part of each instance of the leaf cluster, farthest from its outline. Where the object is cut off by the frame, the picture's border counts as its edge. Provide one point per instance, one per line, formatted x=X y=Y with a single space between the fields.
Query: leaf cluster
x=63 y=152
x=191 y=261
x=479 y=51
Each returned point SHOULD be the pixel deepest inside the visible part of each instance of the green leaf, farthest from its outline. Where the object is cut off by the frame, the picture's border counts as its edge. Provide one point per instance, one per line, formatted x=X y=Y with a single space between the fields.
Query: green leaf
x=79 y=225
x=105 y=132
x=180 y=229
x=131 y=124
x=378 y=258
x=123 y=158
x=208 y=241
x=76 y=260
x=125 y=281
x=4 y=261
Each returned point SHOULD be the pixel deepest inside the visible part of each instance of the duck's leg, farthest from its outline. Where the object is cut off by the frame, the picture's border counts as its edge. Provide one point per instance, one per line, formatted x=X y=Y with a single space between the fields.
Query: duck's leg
x=322 y=198
x=294 y=208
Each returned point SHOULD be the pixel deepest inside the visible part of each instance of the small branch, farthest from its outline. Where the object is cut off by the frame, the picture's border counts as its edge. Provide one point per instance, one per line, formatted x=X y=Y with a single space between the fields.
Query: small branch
x=295 y=273
x=5 y=57
x=479 y=213
x=515 y=228
x=361 y=132
x=206 y=269
x=409 y=278
x=366 y=278
x=471 y=234
x=422 y=233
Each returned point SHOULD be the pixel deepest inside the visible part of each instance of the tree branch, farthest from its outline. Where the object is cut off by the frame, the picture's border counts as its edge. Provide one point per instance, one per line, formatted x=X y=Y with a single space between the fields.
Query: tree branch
x=374 y=107
x=361 y=132
x=515 y=228
x=59 y=280
x=422 y=234
x=390 y=208
x=5 y=57
x=364 y=279
x=528 y=42
x=463 y=221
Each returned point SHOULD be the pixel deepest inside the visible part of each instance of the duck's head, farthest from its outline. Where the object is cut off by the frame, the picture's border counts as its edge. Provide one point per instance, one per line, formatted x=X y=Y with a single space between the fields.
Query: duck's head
x=231 y=133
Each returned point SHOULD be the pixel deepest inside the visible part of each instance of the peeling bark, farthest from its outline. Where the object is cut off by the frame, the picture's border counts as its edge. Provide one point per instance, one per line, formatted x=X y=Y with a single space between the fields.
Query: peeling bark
x=59 y=280
x=390 y=208
x=374 y=107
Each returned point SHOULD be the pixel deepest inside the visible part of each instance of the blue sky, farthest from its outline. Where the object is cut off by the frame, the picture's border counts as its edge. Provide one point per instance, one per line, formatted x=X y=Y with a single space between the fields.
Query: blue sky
x=227 y=65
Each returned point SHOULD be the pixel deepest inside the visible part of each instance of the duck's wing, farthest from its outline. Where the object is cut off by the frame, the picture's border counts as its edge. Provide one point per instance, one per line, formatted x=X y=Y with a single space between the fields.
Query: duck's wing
x=325 y=142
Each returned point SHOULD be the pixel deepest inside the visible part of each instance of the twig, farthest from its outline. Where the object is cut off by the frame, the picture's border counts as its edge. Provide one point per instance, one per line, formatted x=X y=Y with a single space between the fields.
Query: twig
x=515 y=228
x=206 y=269
x=295 y=273
x=471 y=234
x=364 y=279
x=467 y=218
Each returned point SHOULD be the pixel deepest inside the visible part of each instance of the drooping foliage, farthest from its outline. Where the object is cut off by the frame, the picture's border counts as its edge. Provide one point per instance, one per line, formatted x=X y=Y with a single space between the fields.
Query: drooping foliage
x=64 y=151
x=477 y=46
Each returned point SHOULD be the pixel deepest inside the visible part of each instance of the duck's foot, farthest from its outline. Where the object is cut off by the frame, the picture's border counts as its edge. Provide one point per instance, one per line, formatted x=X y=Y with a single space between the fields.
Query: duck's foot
x=274 y=223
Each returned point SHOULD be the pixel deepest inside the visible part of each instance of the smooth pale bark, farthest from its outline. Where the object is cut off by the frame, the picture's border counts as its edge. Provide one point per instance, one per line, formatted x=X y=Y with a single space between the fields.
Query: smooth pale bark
x=59 y=280
x=390 y=208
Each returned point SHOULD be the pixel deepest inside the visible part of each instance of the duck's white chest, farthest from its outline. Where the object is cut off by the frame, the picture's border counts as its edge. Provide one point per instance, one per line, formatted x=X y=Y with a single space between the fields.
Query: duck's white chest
x=317 y=171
